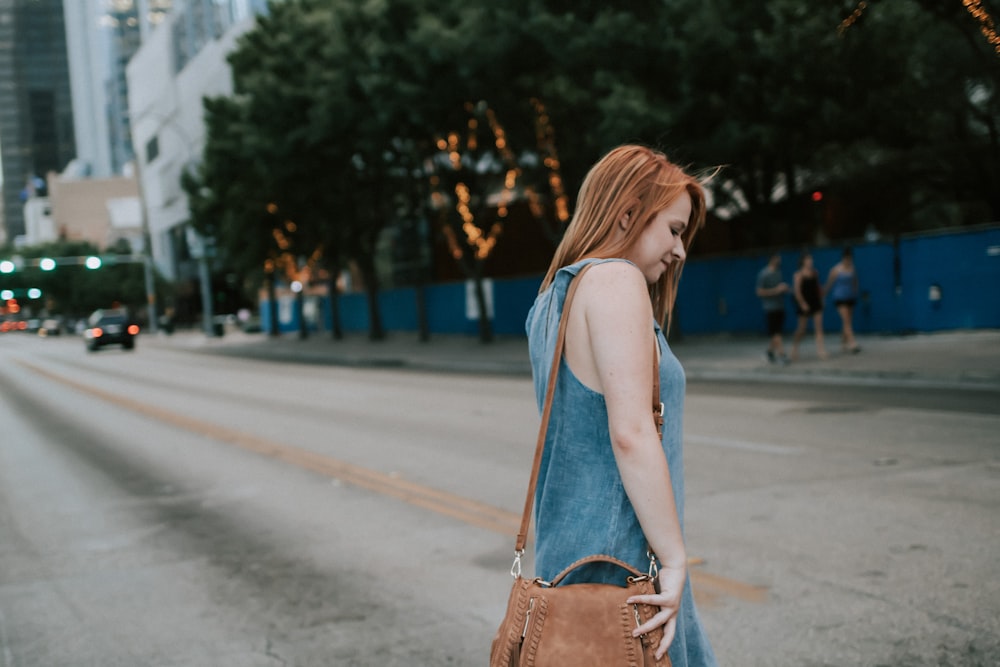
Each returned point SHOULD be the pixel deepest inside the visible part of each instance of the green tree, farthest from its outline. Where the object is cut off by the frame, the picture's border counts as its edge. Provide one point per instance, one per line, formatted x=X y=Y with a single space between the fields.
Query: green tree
x=73 y=290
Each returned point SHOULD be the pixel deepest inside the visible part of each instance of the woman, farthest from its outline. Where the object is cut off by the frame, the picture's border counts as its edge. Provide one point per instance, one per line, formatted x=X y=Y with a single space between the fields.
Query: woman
x=608 y=483
x=842 y=286
x=808 y=304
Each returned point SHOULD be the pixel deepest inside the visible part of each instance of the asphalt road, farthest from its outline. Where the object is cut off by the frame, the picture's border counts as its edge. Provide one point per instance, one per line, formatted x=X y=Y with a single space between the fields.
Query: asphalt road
x=166 y=508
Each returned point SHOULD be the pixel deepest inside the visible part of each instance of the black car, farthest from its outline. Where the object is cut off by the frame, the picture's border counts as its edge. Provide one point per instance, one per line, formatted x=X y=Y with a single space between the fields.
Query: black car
x=110 y=326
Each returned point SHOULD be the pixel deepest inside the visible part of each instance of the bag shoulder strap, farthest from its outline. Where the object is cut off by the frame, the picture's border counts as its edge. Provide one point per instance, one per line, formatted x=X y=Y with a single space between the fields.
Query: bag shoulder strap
x=522 y=535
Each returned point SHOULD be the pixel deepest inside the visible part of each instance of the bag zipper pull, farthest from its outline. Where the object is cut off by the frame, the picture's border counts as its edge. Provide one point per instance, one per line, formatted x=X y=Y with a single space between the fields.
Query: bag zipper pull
x=527 y=617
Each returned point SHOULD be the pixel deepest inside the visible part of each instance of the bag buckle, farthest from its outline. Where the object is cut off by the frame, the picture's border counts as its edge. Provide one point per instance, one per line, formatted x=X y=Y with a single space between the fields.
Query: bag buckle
x=654 y=569
x=515 y=569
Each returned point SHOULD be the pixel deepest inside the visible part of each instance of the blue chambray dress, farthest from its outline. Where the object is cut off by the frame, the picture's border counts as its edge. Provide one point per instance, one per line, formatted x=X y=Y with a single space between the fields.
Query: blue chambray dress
x=580 y=504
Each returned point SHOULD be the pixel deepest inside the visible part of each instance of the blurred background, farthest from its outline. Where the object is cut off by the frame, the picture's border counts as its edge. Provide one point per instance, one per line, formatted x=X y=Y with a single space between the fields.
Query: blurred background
x=325 y=165
x=236 y=176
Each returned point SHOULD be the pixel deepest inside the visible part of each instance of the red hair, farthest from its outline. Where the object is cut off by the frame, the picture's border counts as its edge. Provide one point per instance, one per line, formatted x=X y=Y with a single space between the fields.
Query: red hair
x=638 y=182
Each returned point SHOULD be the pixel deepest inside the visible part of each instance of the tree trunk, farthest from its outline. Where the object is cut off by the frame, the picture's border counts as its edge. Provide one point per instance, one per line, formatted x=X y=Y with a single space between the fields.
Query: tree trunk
x=336 y=327
x=272 y=299
x=375 y=330
x=300 y=308
x=423 y=326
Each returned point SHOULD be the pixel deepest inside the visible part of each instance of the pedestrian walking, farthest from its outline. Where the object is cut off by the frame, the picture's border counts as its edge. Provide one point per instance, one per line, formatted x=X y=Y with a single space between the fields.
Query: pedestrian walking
x=842 y=286
x=608 y=482
x=808 y=305
x=771 y=288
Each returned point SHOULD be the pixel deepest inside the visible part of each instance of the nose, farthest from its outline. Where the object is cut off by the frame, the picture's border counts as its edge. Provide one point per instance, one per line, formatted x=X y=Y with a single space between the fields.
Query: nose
x=679 y=251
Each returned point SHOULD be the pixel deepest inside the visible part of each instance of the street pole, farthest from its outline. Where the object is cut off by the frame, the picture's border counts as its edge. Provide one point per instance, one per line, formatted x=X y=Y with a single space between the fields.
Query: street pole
x=148 y=277
x=204 y=276
x=147 y=253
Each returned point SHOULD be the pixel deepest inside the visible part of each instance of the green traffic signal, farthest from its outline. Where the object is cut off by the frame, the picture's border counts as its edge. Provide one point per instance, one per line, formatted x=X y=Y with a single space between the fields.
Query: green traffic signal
x=7 y=266
x=93 y=262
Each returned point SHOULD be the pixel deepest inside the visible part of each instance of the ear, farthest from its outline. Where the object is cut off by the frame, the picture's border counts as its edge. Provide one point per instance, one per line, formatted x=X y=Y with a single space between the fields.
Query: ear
x=623 y=222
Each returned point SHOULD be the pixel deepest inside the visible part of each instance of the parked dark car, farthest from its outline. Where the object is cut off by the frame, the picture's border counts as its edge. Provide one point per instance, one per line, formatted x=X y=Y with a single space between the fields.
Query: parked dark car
x=110 y=326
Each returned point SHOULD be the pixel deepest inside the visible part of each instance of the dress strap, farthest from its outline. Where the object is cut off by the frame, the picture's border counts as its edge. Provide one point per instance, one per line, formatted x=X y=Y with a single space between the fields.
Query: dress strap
x=522 y=535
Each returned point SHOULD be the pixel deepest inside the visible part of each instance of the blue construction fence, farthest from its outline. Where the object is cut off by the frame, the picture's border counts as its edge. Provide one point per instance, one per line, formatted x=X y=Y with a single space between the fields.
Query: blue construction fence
x=927 y=282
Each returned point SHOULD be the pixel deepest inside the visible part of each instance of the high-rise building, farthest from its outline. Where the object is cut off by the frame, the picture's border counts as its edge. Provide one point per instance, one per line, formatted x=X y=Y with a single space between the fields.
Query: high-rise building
x=36 y=114
x=102 y=36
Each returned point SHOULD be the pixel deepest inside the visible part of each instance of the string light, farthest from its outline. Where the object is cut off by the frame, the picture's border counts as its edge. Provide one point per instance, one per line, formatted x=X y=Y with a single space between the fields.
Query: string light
x=986 y=25
x=975 y=8
x=483 y=242
x=545 y=138
x=853 y=18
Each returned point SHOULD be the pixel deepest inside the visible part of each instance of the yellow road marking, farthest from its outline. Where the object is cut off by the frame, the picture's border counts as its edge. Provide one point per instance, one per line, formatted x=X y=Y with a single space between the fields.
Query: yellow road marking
x=710 y=587
x=470 y=511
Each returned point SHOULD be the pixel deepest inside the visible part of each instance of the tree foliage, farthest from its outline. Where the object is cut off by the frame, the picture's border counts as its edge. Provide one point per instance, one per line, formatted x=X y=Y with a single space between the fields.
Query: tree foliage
x=73 y=290
x=893 y=115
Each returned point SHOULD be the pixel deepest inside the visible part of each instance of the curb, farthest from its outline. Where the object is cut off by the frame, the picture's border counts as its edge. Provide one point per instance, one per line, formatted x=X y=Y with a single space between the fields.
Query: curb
x=715 y=362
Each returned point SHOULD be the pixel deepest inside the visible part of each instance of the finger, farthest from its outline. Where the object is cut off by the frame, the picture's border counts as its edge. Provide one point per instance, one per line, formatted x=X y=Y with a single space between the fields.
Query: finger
x=643 y=599
x=668 y=637
x=660 y=619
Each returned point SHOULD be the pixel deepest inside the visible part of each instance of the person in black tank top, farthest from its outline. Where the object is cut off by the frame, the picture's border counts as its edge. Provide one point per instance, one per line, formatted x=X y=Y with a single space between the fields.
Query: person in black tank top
x=808 y=305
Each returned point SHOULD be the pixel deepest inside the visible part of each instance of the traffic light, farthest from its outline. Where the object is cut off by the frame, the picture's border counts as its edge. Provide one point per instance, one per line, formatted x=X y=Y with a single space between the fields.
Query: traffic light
x=7 y=266
x=817 y=195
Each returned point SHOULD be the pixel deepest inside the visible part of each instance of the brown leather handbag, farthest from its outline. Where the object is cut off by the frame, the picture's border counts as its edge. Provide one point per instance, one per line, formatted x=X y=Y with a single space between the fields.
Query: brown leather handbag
x=583 y=625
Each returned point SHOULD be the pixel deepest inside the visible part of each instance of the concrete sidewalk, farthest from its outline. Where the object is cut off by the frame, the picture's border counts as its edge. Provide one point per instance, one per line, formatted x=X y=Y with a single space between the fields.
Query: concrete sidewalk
x=965 y=360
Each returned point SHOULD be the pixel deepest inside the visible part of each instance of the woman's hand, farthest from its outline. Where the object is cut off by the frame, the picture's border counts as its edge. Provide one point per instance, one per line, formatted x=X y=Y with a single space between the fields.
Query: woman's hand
x=669 y=601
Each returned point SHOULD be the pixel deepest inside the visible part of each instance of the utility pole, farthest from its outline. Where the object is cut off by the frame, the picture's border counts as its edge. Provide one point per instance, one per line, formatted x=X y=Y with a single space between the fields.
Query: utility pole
x=147 y=254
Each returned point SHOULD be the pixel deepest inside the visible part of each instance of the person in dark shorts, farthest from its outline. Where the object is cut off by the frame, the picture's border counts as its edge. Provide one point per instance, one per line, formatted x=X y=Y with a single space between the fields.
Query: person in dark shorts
x=842 y=287
x=808 y=305
x=771 y=289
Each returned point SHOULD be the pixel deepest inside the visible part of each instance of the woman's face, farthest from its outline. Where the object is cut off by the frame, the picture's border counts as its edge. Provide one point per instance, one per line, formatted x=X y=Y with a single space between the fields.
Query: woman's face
x=660 y=244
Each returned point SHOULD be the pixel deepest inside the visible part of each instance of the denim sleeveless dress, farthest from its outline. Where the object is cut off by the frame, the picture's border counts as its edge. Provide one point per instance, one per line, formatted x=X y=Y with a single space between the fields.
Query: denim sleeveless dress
x=580 y=504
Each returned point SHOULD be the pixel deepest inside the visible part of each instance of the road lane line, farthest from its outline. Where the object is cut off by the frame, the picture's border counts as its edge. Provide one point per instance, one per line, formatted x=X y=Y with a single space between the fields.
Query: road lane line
x=709 y=586
x=464 y=509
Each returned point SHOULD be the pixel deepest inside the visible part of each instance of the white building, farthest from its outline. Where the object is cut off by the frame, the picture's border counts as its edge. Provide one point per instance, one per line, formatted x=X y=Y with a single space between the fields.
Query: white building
x=180 y=62
x=39 y=225
x=101 y=37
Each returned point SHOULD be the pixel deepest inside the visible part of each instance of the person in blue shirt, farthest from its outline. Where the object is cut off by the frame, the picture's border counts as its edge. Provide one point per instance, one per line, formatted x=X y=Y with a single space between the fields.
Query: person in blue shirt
x=842 y=287
x=771 y=289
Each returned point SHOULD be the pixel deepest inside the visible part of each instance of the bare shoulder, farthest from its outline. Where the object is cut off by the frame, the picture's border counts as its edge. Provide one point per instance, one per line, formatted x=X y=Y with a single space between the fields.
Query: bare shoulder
x=616 y=289
x=620 y=275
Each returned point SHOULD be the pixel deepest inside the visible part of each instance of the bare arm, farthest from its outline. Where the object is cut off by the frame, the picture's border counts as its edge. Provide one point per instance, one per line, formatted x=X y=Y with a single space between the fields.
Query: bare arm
x=798 y=290
x=780 y=288
x=619 y=325
x=830 y=278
